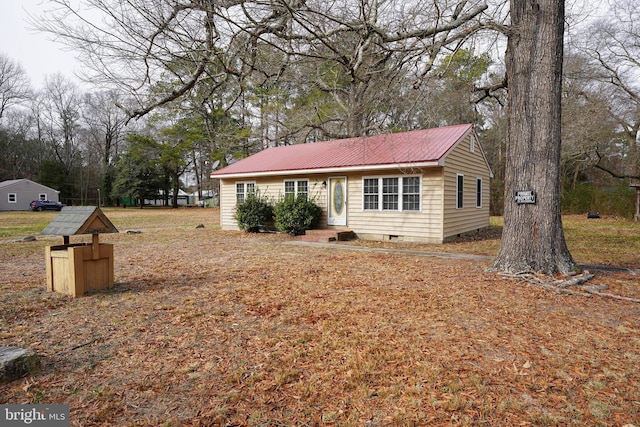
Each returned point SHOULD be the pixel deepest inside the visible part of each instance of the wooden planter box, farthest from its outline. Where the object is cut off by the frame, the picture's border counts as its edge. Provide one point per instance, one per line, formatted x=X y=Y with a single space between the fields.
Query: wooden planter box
x=76 y=269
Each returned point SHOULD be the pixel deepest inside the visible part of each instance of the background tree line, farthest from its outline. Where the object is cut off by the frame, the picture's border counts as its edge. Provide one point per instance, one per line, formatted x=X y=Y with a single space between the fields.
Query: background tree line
x=238 y=77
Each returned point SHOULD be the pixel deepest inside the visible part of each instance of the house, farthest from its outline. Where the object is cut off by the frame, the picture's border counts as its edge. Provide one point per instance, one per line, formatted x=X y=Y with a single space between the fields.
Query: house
x=183 y=198
x=17 y=194
x=423 y=186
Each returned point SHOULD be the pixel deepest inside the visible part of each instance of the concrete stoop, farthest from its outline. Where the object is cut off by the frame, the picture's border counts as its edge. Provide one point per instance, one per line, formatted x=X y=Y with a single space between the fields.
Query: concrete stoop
x=326 y=235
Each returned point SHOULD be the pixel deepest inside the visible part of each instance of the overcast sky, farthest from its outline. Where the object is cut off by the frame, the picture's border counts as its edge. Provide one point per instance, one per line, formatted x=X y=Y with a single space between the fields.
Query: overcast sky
x=34 y=51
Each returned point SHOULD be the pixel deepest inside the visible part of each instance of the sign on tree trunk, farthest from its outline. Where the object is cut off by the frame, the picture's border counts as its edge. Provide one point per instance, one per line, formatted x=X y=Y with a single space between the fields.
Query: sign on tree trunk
x=525 y=197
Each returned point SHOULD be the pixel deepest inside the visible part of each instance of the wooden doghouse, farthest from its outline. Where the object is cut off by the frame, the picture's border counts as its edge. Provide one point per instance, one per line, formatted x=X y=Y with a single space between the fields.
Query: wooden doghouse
x=77 y=268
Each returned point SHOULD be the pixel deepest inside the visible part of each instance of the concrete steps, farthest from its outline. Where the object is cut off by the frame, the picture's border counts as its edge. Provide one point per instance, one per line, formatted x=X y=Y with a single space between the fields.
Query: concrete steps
x=326 y=235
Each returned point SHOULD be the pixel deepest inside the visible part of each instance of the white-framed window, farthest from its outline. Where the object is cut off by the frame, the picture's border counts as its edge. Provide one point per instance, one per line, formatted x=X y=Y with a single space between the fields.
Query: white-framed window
x=478 y=192
x=296 y=188
x=411 y=193
x=459 y=191
x=392 y=193
x=243 y=189
x=371 y=195
x=42 y=197
x=12 y=198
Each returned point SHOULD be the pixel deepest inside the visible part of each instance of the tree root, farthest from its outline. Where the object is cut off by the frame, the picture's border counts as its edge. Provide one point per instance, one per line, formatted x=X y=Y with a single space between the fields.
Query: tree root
x=578 y=281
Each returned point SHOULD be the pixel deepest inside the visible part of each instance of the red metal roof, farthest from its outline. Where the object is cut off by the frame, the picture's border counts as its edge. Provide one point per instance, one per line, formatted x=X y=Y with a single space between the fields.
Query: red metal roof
x=418 y=146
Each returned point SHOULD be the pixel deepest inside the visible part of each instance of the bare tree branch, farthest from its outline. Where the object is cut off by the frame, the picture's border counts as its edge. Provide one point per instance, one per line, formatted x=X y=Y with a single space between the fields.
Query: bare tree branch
x=489 y=91
x=610 y=171
x=165 y=39
x=14 y=84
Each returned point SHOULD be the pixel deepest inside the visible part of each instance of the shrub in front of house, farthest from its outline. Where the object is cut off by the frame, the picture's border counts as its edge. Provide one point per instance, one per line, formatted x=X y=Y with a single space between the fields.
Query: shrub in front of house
x=254 y=213
x=294 y=215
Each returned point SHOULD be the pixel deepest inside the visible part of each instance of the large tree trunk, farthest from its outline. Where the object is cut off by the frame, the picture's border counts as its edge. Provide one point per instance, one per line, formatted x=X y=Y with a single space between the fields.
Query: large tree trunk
x=533 y=238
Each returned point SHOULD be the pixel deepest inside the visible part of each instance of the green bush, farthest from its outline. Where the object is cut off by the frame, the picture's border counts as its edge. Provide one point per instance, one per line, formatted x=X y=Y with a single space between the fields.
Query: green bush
x=620 y=200
x=581 y=199
x=496 y=203
x=613 y=200
x=294 y=215
x=254 y=213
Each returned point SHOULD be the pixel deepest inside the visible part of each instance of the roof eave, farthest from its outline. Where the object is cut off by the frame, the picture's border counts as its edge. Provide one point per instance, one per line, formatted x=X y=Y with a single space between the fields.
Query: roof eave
x=334 y=170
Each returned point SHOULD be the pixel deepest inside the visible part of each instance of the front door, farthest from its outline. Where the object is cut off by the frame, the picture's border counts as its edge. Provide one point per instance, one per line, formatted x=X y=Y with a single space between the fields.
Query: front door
x=337 y=201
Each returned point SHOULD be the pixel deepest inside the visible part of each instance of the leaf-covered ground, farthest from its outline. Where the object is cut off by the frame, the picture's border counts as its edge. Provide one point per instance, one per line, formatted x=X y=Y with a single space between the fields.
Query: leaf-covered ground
x=207 y=327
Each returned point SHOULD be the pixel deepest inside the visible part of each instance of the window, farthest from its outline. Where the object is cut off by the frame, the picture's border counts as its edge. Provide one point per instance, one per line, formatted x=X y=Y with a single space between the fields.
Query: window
x=12 y=198
x=391 y=193
x=411 y=193
x=243 y=189
x=472 y=145
x=478 y=192
x=296 y=188
x=303 y=188
x=459 y=191
x=370 y=192
x=289 y=188
x=42 y=197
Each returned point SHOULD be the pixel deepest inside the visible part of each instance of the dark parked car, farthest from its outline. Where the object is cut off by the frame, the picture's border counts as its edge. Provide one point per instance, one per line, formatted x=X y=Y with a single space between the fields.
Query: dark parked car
x=41 y=205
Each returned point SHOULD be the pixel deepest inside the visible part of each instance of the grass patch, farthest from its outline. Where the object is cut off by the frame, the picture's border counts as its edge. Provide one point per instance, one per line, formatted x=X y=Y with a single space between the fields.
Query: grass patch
x=605 y=241
x=15 y=225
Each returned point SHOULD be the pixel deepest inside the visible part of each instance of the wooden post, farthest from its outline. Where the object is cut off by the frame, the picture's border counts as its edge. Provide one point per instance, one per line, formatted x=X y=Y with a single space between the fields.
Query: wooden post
x=636 y=217
x=49 y=268
x=95 y=246
x=75 y=281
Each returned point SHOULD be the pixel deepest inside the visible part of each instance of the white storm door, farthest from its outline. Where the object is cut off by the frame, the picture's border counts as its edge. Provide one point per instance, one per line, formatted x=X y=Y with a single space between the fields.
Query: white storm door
x=337 y=201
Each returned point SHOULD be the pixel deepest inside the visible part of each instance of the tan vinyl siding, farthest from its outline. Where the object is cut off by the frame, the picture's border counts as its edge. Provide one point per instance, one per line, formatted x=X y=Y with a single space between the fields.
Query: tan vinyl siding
x=424 y=225
x=472 y=166
x=227 y=204
x=271 y=187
